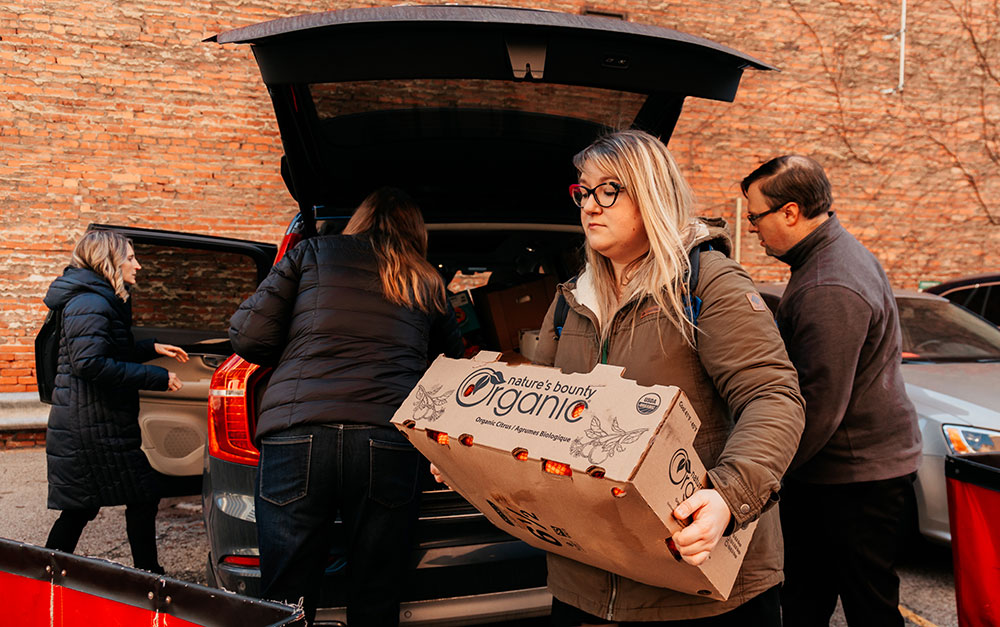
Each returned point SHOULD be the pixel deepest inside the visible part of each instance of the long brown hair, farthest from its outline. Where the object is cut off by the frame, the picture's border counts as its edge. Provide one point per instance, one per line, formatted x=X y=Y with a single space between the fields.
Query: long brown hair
x=104 y=252
x=391 y=220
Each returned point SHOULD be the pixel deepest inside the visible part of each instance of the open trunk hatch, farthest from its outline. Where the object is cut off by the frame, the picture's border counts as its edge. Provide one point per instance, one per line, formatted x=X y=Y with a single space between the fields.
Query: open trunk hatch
x=476 y=111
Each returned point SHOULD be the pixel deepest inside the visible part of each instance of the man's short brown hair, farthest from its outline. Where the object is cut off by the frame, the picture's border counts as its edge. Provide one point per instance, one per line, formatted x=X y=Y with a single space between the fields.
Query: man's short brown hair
x=793 y=178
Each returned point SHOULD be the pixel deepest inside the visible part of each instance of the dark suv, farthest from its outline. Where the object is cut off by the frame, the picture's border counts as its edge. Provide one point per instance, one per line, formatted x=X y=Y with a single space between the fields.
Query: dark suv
x=980 y=294
x=476 y=112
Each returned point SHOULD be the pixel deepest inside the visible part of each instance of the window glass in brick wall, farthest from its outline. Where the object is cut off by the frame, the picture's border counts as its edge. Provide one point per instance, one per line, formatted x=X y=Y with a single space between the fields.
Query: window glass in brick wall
x=603 y=106
x=190 y=288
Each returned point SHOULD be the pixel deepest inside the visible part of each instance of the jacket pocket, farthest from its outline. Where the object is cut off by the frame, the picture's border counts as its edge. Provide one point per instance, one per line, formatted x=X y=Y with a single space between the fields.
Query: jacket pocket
x=284 y=468
x=393 y=472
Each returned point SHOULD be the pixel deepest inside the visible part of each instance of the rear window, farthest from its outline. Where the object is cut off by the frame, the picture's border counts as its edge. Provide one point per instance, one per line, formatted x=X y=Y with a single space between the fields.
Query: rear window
x=602 y=106
x=468 y=150
x=940 y=331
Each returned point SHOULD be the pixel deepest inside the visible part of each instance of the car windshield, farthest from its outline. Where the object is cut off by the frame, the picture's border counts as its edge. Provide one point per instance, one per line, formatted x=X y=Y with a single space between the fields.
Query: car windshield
x=936 y=330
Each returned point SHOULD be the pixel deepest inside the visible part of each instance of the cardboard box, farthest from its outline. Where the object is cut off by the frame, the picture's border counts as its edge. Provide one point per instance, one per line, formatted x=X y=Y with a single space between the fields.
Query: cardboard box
x=465 y=312
x=508 y=312
x=624 y=452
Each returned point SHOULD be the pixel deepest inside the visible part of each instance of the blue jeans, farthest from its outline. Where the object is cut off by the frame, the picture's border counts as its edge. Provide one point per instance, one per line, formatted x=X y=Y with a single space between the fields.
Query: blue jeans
x=308 y=474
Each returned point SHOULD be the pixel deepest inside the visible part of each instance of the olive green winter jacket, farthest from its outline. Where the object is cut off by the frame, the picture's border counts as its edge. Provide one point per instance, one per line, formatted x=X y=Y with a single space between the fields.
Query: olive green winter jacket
x=742 y=385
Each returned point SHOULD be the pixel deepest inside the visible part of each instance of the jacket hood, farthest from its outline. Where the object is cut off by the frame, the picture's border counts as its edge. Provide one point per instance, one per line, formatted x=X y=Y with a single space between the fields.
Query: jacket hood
x=75 y=281
x=710 y=230
x=699 y=231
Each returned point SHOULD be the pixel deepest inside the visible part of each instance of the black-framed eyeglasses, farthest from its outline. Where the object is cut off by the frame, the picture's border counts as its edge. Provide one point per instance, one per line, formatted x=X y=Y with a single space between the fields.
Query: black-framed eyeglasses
x=605 y=194
x=754 y=218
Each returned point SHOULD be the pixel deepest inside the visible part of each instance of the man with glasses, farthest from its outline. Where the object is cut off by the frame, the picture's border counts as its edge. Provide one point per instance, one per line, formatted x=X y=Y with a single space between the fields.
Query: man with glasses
x=849 y=486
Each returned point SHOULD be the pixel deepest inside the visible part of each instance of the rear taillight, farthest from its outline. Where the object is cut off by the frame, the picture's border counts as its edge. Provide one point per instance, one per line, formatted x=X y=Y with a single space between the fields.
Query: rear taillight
x=287 y=243
x=230 y=411
x=241 y=560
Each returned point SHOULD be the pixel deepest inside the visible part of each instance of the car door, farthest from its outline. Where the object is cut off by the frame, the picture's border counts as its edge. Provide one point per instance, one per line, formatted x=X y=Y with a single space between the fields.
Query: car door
x=186 y=290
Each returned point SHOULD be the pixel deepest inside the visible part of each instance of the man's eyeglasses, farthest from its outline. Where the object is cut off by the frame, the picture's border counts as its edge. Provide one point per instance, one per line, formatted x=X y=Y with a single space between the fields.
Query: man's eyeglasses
x=754 y=218
x=605 y=194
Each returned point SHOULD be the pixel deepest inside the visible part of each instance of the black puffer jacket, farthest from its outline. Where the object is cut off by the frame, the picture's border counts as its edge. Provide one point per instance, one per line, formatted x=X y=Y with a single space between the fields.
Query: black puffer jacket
x=93 y=439
x=342 y=353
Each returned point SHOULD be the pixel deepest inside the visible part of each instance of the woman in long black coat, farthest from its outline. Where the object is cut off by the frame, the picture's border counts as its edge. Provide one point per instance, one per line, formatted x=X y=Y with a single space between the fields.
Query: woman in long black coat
x=93 y=439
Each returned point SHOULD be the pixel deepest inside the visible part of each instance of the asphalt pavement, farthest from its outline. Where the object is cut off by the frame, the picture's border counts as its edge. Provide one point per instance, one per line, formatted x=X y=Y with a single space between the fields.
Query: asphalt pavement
x=180 y=532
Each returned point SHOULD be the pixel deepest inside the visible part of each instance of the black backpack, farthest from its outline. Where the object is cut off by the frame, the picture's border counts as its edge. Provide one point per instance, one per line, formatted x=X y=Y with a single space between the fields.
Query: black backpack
x=47 y=354
x=692 y=304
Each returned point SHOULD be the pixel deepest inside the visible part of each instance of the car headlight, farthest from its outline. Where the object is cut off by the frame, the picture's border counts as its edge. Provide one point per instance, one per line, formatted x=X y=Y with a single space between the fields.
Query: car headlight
x=964 y=440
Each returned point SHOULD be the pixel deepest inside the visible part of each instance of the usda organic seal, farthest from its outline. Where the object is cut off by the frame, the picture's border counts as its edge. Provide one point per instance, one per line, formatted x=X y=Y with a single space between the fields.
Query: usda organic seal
x=648 y=403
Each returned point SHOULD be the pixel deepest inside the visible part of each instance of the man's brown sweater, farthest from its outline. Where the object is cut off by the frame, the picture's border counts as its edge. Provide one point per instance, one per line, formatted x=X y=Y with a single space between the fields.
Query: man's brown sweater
x=839 y=321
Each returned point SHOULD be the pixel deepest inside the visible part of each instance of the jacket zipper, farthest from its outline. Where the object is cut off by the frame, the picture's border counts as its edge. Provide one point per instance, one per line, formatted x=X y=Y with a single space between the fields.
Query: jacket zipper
x=606 y=346
x=610 y=614
x=605 y=349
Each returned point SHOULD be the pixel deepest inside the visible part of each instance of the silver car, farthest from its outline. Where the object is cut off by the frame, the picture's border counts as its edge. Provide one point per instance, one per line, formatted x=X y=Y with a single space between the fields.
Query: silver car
x=951 y=365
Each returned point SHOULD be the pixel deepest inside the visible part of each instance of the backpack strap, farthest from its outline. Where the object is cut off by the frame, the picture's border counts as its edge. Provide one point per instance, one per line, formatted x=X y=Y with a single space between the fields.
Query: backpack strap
x=562 y=310
x=692 y=304
x=47 y=354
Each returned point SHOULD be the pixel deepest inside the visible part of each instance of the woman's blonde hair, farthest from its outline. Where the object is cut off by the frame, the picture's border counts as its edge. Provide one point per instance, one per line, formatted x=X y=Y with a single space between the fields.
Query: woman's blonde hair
x=104 y=252
x=391 y=220
x=653 y=181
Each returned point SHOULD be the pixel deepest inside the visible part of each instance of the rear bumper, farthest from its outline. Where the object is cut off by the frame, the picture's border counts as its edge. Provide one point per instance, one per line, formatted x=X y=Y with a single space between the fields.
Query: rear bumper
x=471 y=610
x=464 y=572
x=467 y=572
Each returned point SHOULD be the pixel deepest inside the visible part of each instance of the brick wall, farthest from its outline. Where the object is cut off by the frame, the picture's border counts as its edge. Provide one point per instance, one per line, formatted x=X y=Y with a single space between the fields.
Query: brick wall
x=28 y=438
x=117 y=112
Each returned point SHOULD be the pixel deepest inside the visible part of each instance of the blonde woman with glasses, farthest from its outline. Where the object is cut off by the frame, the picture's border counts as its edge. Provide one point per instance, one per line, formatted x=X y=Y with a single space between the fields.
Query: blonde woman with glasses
x=630 y=307
x=93 y=440
x=349 y=323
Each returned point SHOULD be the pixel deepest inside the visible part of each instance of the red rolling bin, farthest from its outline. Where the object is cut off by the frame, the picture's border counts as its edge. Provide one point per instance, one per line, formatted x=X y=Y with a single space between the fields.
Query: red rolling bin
x=45 y=588
x=974 y=515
